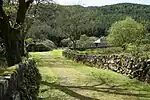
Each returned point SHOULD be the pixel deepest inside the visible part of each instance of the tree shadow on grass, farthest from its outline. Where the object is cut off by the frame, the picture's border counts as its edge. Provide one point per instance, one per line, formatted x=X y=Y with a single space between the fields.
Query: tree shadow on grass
x=98 y=88
x=68 y=91
x=132 y=85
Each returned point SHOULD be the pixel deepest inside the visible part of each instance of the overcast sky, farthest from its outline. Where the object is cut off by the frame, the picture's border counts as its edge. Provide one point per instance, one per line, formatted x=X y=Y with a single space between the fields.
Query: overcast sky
x=99 y=2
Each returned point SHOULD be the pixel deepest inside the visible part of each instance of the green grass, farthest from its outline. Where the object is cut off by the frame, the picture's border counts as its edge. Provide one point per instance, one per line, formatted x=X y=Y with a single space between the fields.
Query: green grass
x=103 y=51
x=63 y=79
x=117 y=50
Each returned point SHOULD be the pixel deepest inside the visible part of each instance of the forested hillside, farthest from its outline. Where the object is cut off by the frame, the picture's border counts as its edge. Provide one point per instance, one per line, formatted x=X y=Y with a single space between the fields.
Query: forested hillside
x=57 y=22
x=101 y=18
x=136 y=11
x=111 y=13
x=51 y=20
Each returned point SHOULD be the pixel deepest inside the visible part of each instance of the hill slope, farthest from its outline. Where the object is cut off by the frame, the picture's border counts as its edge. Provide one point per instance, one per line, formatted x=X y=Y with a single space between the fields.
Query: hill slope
x=112 y=13
x=106 y=15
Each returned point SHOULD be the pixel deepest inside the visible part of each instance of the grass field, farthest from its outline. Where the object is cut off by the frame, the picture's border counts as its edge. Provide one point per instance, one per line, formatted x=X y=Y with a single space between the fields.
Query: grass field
x=63 y=79
x=144 y=51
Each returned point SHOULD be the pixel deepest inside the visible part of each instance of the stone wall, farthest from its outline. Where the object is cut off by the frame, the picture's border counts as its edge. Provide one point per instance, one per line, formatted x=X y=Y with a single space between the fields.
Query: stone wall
x=21 y=83
x=130 y=66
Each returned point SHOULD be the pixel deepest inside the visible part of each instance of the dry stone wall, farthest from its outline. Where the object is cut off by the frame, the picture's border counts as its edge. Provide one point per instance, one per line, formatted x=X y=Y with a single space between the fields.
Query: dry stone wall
x=21 y=84
x=130 y=66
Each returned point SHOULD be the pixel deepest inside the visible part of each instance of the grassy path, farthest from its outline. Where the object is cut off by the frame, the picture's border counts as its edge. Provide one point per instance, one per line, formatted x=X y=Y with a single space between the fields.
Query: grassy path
x=64 y=79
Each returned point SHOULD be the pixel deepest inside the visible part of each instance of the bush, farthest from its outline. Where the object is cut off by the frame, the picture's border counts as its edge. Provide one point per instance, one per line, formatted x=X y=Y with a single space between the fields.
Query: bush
x=125 y=32
x=39 y=46
x=110 y=50
x=145 y=47
x=49 y=44
x=84 y=42
x=131 y=48
x=66 y=42
x=145 y=41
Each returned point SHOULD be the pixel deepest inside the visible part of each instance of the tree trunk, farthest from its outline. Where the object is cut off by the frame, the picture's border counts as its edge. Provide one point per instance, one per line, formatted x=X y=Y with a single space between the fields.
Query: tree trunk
x=22 y=46
x=11 y=42
x=74 y=45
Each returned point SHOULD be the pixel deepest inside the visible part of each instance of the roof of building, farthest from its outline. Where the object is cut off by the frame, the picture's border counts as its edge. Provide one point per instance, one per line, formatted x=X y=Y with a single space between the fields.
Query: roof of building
x=100 y=40
x=97 y=41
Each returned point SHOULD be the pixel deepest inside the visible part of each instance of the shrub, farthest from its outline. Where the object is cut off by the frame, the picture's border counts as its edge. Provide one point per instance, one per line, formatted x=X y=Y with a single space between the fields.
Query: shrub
x=110 y=50
x=145 y=41
x=84 y=42
x=49 y=44
x=35 y=46
x=65 y=42
x=131 y=48
x=145 y=47
x=126 y=32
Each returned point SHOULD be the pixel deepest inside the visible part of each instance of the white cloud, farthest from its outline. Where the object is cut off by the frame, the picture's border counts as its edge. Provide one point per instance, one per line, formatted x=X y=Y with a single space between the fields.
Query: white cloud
x=66 y=2
x=99 y=2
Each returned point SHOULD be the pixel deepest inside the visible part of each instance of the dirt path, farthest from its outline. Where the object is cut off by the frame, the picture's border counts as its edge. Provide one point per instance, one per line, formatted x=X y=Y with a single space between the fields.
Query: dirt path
x=66 y=80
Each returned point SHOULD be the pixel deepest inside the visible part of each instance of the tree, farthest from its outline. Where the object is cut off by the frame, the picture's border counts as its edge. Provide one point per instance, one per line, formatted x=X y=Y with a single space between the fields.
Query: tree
x=72 y=24
x=84 y=42
x=40 y=31
x=12 y=32
x=126 y=31
x=42 y=26
x=66 y=42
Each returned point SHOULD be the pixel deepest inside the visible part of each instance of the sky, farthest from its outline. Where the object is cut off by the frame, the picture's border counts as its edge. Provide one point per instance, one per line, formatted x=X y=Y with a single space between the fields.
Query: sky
x=99 y=2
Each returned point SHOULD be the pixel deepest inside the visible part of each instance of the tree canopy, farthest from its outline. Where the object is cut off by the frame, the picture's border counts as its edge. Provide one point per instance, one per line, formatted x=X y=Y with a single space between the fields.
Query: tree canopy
x=125 y=32
x=97 y=20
